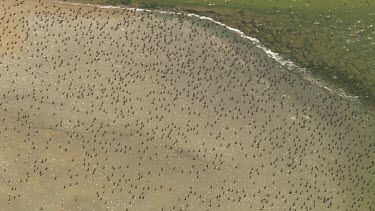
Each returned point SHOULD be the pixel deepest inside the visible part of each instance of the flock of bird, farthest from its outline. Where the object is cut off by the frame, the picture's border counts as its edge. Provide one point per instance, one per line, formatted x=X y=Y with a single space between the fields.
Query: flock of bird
x=117 y=109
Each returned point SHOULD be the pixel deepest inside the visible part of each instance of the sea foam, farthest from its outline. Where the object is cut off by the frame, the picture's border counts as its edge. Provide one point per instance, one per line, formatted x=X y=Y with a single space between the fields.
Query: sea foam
x=277 y=57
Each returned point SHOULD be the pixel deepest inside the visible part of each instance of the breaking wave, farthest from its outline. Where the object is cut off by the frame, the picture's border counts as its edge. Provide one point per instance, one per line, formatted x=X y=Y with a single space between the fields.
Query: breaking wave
x=277 y=57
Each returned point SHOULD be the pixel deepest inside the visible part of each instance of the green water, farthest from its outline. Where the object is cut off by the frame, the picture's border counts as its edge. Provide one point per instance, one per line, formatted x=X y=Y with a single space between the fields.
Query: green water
x=334 y=40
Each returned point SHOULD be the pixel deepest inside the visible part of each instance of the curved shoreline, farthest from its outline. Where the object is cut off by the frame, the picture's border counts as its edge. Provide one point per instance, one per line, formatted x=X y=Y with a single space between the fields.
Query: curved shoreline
x=113 y=109
x=276 y=56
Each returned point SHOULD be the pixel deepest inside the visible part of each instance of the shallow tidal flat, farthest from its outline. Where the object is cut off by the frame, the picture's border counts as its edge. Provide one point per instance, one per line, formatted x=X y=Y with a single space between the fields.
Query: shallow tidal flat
x=109 y=109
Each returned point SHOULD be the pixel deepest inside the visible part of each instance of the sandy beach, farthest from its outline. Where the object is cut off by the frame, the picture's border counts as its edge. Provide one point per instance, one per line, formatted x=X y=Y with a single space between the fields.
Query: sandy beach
x=112 y=109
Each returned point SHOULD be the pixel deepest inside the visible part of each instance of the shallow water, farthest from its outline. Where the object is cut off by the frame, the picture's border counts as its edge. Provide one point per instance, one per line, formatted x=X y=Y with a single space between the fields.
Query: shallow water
x=106 y=109
x=332 y=40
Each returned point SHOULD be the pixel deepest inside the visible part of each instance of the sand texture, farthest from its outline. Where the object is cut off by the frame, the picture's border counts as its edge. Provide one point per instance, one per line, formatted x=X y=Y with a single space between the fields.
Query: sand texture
x=112 y=109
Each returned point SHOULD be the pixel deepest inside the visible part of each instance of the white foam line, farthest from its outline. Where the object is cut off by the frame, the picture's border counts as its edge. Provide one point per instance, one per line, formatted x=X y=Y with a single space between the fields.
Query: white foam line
x=277 y=57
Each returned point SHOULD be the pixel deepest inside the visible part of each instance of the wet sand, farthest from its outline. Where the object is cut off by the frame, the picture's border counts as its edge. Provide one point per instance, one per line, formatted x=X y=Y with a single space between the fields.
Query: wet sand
x=109 y=109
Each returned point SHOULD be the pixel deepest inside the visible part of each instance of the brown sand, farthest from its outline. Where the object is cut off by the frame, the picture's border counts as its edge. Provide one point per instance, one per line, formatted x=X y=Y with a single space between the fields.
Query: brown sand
x=108 y=109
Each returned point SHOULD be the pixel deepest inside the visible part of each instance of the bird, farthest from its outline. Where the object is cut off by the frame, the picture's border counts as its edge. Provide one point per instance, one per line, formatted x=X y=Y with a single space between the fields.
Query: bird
x=176 y=111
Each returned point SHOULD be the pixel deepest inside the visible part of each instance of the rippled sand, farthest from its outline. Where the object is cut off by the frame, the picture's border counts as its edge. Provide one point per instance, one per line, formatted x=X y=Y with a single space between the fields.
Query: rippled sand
x=109 y=109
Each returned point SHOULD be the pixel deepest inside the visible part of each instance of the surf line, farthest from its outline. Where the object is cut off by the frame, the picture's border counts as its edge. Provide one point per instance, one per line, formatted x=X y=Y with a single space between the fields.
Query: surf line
x=277 y=57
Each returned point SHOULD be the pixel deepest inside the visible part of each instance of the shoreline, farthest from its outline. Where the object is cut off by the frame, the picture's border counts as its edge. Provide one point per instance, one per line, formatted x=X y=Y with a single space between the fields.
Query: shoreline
x=118 y=109
x=302 y=72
